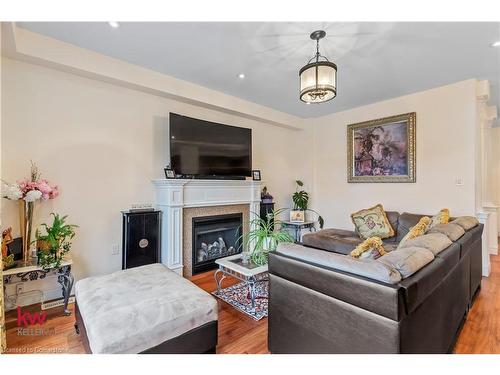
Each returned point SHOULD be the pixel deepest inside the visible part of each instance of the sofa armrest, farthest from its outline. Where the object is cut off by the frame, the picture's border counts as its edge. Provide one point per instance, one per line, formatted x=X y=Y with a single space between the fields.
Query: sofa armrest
x=380 y=298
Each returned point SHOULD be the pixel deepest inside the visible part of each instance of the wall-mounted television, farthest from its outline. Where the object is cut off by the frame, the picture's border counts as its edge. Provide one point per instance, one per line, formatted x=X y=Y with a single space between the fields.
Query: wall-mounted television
x=203 y=149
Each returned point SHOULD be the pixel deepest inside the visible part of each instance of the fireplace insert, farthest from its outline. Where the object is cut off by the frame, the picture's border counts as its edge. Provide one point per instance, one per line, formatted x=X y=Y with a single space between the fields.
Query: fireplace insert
x=215 y=237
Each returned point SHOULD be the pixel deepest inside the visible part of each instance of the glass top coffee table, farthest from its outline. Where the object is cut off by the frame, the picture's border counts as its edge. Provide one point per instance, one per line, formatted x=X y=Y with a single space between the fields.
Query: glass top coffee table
x=249 y=273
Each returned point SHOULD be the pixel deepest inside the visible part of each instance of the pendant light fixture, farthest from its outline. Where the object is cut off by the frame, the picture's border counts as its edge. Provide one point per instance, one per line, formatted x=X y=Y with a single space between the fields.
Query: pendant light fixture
x=318 y=78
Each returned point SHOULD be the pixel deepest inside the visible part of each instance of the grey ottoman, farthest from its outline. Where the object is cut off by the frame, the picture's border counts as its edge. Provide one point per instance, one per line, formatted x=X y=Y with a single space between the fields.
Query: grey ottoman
x=148 y=309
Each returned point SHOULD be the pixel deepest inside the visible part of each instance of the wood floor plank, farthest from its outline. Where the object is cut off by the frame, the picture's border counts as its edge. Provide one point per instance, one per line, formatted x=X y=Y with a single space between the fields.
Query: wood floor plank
x=238 y=333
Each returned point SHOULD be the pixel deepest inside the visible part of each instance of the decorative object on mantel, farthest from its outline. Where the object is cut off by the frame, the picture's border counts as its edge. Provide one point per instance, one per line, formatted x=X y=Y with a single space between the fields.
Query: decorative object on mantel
x=28 y=191
x=256 y=175
x=264 y=237
x=55 y=242
x=318 y=78
x=300 y=202
x=382 y=150
x=265 y=197
x=169 y=173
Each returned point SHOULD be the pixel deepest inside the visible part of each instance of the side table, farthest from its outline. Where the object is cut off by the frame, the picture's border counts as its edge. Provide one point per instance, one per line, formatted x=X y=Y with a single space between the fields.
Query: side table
x=32 y=273
x=298 y=227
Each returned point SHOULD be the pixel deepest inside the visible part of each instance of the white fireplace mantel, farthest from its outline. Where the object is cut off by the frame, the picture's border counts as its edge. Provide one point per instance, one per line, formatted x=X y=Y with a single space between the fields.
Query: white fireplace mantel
x=172 y=195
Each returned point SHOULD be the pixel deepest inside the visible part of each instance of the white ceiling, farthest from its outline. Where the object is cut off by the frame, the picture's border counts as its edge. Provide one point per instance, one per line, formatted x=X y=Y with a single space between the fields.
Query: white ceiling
x=376 y=61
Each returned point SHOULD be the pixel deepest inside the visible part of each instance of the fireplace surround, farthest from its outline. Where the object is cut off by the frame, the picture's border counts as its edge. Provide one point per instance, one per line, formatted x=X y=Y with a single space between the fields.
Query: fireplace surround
x=177 y=198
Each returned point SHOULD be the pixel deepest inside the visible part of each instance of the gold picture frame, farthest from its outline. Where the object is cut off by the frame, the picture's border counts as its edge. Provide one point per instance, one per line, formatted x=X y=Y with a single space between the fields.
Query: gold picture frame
x=382 y=150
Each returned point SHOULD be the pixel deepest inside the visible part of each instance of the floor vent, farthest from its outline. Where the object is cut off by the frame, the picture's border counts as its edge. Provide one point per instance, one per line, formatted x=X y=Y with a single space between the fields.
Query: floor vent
x=56 y=303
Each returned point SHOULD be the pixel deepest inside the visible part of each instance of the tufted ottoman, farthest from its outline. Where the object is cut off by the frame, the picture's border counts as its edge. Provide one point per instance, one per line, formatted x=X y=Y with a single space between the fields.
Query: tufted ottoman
x=148 y=309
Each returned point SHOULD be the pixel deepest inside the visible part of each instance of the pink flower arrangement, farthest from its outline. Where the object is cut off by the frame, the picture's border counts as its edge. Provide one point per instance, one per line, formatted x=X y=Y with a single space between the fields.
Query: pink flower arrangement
x=32 y=189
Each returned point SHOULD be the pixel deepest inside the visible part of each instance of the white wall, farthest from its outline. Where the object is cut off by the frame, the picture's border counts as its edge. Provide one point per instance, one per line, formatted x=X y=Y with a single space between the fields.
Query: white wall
x=445 y=150
x=102 y=144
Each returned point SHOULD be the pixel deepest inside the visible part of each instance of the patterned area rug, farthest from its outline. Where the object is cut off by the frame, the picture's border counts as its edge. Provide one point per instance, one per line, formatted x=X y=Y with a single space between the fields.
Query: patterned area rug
x=238 y=296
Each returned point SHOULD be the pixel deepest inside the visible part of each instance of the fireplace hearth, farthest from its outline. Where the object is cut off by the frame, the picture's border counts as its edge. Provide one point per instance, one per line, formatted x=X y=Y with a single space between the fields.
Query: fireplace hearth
x=215 y=237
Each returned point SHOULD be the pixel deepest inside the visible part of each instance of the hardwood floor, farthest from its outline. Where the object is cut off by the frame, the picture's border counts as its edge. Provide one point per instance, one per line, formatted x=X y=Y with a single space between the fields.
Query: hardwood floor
x=239 y=333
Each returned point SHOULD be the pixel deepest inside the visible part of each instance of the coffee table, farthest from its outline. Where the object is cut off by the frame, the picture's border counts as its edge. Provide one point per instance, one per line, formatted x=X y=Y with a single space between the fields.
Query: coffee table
x=249 y=273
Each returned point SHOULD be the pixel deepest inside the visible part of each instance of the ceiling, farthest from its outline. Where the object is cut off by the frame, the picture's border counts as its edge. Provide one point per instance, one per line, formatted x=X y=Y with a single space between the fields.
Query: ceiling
x=376 y=61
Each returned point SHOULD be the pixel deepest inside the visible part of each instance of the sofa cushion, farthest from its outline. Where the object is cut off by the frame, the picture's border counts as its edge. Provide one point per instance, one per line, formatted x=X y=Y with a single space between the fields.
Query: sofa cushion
x=372 y=222
x=434 y=242
x=369 y=268
x=418 y=230
x=466 y=222
x=453 y=231
x=405 y=223
x=442 y=217
x=336 y=240
x=407 y=261
x=371 y=248
x=393 y=217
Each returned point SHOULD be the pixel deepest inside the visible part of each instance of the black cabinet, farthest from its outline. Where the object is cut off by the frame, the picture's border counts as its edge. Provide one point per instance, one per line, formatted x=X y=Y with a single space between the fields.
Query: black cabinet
x=265 y=209
x=141 y=238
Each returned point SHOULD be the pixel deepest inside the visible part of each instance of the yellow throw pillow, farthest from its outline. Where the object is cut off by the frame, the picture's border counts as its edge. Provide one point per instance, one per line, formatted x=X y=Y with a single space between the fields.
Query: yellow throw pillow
x=370 y=248
x=372 y=222
x=417 y=230
x=442 y=217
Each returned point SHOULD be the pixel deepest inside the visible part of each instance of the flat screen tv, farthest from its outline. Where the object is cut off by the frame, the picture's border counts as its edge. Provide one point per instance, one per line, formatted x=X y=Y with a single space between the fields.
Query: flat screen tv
x=203 y=149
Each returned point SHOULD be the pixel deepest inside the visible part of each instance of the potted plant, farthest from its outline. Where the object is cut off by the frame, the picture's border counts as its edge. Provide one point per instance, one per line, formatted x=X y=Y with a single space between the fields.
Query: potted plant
x=27 y=192
x=264 y=237
x=300 y=201
x=54 y=242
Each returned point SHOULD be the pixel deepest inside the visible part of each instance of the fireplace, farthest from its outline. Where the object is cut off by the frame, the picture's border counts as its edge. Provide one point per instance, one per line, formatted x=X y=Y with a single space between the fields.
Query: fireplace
x=215 y=237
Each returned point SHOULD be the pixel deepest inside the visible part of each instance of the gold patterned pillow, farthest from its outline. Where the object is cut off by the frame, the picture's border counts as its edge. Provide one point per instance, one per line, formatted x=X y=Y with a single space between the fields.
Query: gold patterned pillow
x=418 y=230
x=442 y=217
x=371 y=248
x=372 y=222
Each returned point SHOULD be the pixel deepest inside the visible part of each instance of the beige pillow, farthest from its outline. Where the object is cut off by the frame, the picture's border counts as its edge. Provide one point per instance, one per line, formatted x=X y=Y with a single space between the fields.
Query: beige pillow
x=407 y=261
x=466 y=222
x=371 y=248
x=442 y=217
x=419 y=229
x=372 y=222
x=453 y=231
x=434 y=242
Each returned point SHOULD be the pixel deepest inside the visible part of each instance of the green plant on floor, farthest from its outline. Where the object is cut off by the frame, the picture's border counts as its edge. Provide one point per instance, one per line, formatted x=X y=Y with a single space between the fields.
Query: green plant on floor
x=54 y=242
x=265 y=237
x=301 y=200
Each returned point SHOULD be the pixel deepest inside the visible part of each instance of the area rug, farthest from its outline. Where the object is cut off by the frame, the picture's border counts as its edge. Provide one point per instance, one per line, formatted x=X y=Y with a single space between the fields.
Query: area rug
x=238 y=296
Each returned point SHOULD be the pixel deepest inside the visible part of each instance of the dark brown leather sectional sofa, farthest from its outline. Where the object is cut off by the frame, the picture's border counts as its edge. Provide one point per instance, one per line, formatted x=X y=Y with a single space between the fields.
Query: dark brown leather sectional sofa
x=317 y=309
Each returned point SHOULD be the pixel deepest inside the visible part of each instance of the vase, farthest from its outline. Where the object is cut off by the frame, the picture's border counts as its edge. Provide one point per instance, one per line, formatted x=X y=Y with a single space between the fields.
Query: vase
x=26 y=210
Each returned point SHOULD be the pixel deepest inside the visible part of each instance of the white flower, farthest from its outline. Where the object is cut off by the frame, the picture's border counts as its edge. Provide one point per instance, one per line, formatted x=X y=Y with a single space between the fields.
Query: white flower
x=13 y=192
x=33 y=195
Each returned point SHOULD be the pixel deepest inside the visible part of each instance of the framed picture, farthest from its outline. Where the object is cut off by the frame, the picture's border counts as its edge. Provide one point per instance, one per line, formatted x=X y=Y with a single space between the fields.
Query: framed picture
x=256 y=175
x=297 y=216
x=169 y=173
x=382 y=150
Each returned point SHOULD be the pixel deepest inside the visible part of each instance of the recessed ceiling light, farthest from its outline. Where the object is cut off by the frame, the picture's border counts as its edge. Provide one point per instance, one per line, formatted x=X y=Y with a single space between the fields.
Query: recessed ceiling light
x=241 y=76
x=496 y=44
x=114 y=24
x=308 y=103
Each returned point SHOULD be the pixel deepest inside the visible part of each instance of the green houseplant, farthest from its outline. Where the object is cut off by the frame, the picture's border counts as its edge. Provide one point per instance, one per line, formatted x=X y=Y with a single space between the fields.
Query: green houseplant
x=54 y=241
x=301 y=200
x=265 y=237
